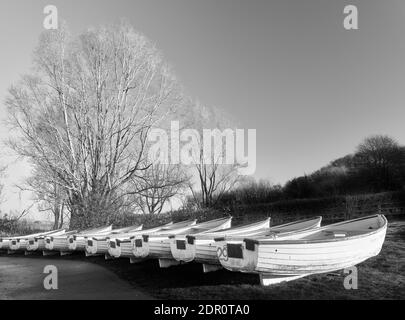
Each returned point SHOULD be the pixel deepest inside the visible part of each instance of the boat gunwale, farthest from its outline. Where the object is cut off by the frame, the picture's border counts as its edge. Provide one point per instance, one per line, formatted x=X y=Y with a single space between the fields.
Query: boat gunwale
x=242 y=238
x=127 y=236
x=211 y=235
x=195 y=227
x=314 y=241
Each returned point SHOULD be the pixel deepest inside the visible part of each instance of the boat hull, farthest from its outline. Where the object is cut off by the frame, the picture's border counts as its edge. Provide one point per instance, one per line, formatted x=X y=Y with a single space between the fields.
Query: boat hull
x=36 y=244
x=154 y=246
x=4 y=244
x=120 y=249
x=313 y=258
x=56 y=244
x=77 y=243
x=321 y=250
x=202 y=248
x=95 y=247
x=160 y=248
x=18 y=245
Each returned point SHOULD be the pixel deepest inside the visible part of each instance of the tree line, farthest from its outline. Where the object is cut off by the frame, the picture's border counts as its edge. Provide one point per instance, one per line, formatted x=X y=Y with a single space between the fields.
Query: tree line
x=377 y=165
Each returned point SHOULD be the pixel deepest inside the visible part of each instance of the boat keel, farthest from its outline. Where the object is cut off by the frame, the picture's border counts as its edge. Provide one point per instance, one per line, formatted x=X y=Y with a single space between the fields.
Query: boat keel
x=210 y=267
x=136 y=260
x=270 y=279
x=49 y=253
x=166 y=263
x=107 y=256
x=92 y=254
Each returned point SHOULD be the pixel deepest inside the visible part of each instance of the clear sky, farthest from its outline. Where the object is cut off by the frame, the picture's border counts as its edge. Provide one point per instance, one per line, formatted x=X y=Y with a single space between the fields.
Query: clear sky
x=289 y=69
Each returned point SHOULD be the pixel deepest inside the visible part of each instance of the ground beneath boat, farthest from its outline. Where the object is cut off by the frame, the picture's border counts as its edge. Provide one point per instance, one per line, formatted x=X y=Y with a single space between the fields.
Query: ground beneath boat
x=381 y=277
x=23 y=278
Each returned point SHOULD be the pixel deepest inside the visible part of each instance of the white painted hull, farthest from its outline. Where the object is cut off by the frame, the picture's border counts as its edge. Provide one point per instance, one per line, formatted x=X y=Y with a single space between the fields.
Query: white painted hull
x=120 y=249
x=5 y=244
x=162 y=247
x=121 y=246
x=36 y=244
x=153 y=245
x=159 y=248
x=249 y=258
x=202 y=248
x=140 y=250
x=98 y=244
x=96 y=247
x=77 y=242
x=22 y=243
x=328 y=249
x=313 y=258
x=206 y=252
x=18 y=245
x=56 y=244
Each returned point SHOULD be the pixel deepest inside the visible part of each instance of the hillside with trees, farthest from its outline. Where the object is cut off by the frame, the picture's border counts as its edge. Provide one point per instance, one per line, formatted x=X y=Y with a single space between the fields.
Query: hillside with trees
x=376 y=166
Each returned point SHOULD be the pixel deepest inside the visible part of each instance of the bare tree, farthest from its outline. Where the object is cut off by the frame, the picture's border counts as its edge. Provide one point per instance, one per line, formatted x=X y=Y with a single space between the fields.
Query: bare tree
x=84 y=116
x=158 y=186
x=213 y=182
x=49 y=196
x=214 y=176
x=378 y=150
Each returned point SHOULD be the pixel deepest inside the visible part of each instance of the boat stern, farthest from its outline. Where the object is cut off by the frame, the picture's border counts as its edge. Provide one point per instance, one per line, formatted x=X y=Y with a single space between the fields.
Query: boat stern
x=91 y=246
x=49 y=243
x=114 y=248
x=14 y=244
x=71 y=240
x=237 y=255
x=33 y=244
x=183 y=248
x=140 y=246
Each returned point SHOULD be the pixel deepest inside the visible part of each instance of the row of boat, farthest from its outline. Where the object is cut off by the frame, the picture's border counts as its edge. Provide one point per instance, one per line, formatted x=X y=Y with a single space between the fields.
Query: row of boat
x=277 y=253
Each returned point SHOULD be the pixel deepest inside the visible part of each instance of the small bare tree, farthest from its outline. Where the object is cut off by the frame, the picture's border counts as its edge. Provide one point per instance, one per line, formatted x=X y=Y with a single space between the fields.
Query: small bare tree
x=49 y=196
x=214 y=177
x=158 y=186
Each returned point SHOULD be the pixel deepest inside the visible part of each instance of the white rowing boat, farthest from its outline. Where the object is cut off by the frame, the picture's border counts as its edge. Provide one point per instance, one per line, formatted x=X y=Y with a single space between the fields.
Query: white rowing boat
x=57 y=244
x=98 y=244
x=201 y=247
x=123 y=247
x=20 y=243
x=77 y=242
x=119 y=246
x=5 y=242
x=207 y=255
x=37 y=243
x=289 y=256
x=158 y=245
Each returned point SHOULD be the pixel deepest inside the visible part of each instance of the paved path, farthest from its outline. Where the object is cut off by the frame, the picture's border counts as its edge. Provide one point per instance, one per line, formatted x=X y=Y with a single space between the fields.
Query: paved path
x=22 y=278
